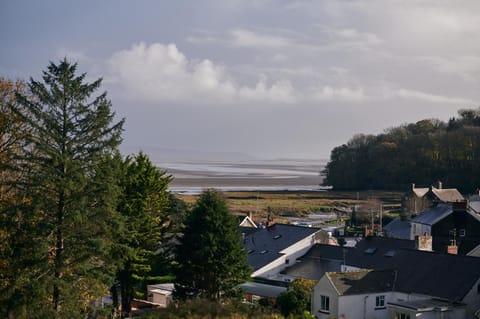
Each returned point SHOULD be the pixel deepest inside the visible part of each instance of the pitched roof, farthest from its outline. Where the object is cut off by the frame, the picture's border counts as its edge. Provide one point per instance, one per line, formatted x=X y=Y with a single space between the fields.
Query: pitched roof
x=420 y=192
x=362 y=281
x=317 y=261
x=475 y=252
x=398 y=228
x=421 y=271
x=474 y=206
x=265 y=245
x=371 y=251
x=448 y=195
x=433 y=215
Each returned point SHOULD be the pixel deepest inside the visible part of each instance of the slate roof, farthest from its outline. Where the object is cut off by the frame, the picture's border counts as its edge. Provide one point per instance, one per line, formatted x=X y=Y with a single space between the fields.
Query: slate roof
x=448 y=195
x=362 y=281
x=372 y=251
x=474 y=206
x=317 y=261
x=266 y=244
x=264 y=290
x=433 y=215
x=439 y=275
x=398 y=228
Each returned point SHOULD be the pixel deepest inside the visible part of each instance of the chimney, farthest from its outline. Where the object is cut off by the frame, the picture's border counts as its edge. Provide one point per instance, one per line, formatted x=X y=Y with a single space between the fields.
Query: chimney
x=453 y=248
x=423 y=243
x=440 y=185
x=413 y=186
x=270 y=221
x=250 y=215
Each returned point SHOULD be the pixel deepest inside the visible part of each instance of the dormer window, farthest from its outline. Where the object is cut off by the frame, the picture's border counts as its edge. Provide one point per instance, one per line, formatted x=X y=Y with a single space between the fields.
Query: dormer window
x=462 y=233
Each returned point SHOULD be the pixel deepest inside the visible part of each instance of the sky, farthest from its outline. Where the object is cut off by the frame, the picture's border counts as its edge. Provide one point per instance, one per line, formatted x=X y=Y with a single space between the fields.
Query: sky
x=268 y=78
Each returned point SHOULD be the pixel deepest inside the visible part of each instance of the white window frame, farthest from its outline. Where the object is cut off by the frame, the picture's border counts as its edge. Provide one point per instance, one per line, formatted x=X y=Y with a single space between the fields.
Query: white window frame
x=324 y=304
x=380 y=302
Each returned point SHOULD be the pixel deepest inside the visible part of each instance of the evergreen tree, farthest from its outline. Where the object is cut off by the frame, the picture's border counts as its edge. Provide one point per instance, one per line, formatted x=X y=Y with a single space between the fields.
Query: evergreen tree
x=143 y=206
x=69 y=215
x=211 y=258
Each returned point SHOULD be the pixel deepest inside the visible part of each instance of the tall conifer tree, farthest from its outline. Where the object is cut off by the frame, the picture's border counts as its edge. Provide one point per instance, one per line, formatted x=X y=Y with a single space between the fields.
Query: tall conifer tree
x=70 y=184
x=143 y=206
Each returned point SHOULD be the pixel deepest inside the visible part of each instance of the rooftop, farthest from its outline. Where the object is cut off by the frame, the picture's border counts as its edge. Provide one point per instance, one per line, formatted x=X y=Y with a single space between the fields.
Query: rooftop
x=267 y=244
x=362 y=281
x=433 y=215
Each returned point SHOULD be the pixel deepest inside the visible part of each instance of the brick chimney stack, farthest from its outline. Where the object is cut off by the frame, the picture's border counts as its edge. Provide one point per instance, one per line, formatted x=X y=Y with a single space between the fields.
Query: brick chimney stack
x=423 y=242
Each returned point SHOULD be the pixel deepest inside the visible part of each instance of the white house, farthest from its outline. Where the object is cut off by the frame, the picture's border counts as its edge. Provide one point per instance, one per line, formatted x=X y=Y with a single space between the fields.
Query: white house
x=270 y=250
x=160 y=294
x=371 y=294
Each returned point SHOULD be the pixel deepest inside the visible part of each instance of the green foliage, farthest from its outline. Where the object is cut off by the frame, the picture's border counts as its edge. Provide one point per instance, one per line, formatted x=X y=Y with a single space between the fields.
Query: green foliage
x=203 y=308
x=424 y=152
x=296 y=300
x=143 y=207
x=211 y=258
x=61 y=219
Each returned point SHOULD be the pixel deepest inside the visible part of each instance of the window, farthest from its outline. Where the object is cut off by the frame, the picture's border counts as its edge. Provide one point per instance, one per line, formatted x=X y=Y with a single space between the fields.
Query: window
x=324 y=304
x=380 y=302
x=277 y=236
x=462 y=233
x=287 y=261
x=401 y=315
x=370 y=251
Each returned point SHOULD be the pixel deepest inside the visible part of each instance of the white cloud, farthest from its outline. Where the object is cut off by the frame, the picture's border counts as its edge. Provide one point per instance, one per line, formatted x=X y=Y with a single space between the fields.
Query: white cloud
x=418 y=95
x=329 y=93
x=281 y=91
x=246 y=38
x=159 y=72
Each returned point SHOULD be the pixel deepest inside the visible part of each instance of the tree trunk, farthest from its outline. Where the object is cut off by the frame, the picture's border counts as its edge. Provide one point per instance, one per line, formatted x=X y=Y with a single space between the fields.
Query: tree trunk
x=59 y=246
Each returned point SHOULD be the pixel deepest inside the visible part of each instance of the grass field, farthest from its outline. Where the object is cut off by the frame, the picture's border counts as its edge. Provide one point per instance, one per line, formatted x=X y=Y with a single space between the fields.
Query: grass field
x=301 y=203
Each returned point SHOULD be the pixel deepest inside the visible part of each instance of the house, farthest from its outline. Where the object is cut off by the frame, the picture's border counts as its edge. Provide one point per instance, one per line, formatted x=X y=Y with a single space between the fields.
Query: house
x=425 y=283
x=450 y=225
x=414 y=200
x=417 y=200
x=160 y=294
x=247 y=221
x=273 y=248
x=399 y=228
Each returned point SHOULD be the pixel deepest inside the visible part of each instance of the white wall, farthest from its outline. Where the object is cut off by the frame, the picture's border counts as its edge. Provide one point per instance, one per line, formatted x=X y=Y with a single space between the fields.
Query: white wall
x=417 y=229
x=325 y=288
x=291 y=253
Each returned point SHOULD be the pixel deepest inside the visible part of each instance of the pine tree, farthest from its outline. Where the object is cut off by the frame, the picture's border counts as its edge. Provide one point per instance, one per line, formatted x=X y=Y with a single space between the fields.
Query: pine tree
x=211 y=258
x=70 y=186
x=143 y=207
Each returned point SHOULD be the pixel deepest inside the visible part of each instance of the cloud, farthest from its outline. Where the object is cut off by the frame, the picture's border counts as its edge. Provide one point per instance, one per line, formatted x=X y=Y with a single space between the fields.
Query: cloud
x=160 y=72
x=246 y=38
x=345 y=94
x=418 y=95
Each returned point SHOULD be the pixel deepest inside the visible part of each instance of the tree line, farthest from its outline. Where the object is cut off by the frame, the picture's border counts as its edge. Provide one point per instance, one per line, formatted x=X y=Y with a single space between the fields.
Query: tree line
x=424 y=152
x=79 y=221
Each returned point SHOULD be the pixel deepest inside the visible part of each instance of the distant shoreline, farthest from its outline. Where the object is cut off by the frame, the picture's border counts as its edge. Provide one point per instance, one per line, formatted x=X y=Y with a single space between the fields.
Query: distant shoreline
x=245 y=175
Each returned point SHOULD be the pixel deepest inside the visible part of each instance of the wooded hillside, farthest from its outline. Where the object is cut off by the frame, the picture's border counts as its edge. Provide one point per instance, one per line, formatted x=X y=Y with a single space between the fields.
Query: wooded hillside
x=422 y=153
